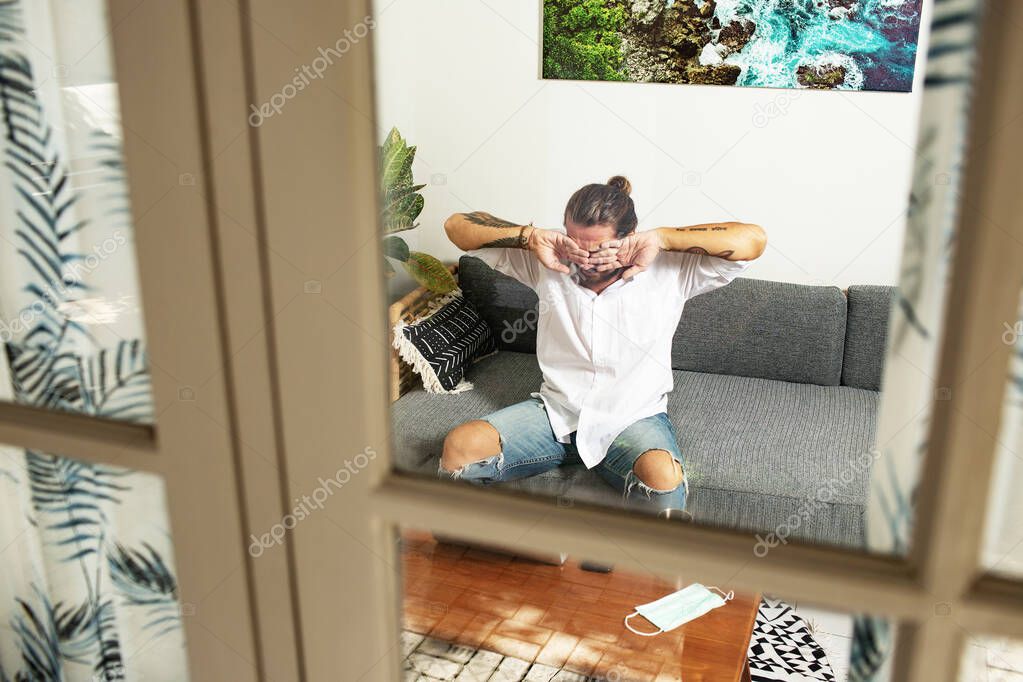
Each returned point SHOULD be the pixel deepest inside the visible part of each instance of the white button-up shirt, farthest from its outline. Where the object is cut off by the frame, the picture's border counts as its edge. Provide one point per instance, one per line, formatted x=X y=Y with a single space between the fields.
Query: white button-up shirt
x=606 y=359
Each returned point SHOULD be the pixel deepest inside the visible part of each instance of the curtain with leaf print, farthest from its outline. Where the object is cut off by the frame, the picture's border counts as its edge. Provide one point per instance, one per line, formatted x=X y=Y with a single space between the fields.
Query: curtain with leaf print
x=88 y=589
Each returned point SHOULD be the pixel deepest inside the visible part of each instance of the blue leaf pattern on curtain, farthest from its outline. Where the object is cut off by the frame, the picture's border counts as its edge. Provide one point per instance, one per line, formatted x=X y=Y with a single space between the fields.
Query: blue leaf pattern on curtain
x=916 y=317
x=88 y=589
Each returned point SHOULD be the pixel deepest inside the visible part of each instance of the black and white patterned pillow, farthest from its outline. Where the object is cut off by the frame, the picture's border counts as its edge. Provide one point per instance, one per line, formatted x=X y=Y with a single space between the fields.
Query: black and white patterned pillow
x=443 y=344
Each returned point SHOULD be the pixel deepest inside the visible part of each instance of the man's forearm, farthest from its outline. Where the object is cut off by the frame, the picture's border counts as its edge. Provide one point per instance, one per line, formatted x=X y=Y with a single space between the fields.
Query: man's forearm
x=479 y=230
x=731 y=241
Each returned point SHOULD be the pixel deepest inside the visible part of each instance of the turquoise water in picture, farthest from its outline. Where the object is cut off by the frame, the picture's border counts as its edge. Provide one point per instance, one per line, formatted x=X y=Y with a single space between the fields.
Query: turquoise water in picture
x=875 y=40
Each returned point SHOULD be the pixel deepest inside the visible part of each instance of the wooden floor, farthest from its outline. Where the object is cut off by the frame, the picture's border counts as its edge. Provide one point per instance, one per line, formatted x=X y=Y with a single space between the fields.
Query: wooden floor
x=564 y=617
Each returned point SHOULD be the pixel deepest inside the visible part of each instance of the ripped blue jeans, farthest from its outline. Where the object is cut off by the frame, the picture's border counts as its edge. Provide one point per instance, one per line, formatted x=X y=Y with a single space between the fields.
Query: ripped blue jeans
x=529 y=447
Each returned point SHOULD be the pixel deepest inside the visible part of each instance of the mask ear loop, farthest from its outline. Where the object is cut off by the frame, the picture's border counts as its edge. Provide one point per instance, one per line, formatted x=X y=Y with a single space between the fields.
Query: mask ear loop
x=727 y=597
x=635 y=631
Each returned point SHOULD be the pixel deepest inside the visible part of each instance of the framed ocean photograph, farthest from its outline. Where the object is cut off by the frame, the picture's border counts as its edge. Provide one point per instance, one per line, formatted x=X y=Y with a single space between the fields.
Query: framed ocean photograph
x=816 y=44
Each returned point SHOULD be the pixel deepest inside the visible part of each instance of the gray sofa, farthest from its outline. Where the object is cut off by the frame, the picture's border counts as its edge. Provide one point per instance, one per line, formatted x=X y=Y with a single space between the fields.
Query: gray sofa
x=775 y=401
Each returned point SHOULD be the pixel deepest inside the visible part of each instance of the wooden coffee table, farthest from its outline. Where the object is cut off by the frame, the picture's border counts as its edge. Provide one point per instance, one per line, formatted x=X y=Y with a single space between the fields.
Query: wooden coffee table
x=565 y=617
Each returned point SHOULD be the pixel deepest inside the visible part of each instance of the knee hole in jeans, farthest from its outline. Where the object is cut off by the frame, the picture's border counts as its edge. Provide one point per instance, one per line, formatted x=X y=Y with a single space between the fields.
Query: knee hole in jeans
x=658 y=470
x=473 y=441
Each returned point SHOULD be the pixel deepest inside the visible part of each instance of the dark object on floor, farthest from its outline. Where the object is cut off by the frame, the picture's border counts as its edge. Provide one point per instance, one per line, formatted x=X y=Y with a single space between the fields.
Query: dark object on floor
x=676 y=515
x=594 y=567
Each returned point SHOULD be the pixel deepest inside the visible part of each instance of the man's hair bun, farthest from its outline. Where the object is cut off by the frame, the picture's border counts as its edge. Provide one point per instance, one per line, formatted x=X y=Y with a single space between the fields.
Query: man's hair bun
x=604 y=204
x=621 y=183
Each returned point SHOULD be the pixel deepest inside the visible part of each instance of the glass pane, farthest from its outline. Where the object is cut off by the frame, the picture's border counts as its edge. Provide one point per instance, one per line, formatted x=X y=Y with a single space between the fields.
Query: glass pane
x=89 y=589
x=916 y=321
x=69 y=300
x=474 y=610
x=1003 y=547
x=776 y=391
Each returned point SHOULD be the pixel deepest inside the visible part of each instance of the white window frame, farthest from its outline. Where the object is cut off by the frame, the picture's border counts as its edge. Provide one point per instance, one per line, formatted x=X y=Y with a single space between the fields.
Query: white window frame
x=241 y=279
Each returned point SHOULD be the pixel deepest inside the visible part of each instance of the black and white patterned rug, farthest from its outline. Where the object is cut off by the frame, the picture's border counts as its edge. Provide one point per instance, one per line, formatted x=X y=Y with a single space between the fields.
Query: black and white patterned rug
x=783 y=649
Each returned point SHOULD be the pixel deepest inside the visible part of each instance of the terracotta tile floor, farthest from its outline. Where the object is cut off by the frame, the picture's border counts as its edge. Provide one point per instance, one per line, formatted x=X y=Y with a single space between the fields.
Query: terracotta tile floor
x=563 y=616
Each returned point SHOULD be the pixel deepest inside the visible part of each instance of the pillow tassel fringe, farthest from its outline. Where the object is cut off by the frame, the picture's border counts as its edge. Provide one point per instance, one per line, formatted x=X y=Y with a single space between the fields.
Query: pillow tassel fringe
x=408 y=353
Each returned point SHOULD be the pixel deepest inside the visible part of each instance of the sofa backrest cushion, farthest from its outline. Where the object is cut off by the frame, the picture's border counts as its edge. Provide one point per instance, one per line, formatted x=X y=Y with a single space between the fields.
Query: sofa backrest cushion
x=866 y=335
x=751 y=327
x=508 y=306
x=770 y=330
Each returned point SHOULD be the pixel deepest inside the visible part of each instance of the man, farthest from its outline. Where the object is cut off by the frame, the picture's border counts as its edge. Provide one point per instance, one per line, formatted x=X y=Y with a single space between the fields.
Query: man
x=611 y=299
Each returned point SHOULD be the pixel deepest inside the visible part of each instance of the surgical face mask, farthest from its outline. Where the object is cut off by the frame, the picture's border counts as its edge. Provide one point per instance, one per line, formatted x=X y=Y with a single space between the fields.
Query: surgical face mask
x=678 y=608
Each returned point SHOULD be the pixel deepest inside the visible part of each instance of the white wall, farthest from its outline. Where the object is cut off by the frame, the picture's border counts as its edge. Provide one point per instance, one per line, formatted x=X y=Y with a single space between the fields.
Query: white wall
x=827 y=174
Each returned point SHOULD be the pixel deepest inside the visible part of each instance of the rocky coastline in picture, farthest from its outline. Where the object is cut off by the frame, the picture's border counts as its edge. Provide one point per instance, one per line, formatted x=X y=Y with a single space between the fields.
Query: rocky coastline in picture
x=682 y=43
x=814 y=44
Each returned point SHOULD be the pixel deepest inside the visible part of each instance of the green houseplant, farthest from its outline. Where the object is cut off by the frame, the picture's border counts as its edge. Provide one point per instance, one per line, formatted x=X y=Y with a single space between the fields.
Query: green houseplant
x=401 y=203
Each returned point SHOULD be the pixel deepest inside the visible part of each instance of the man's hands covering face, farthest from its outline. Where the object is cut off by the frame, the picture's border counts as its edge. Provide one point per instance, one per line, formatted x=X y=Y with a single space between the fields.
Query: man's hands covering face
x=552 y=247
x=635 y=252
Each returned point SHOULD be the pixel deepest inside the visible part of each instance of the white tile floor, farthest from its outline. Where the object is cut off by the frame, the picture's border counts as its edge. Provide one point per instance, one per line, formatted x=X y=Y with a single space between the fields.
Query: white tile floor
x=834 y=633
x=431 y=660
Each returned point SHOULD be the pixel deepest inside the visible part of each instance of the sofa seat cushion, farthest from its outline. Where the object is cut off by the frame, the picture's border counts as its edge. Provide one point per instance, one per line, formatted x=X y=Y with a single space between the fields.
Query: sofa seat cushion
x=774 y=437
x=421 y=420
x=756 y=450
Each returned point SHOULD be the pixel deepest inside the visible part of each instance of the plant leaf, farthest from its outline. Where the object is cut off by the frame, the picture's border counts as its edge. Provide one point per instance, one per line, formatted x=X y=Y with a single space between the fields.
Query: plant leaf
x=70 y=499
x=144 y=579
x=115 y=382
x=400 y=200
x=396 y=248
x=396 y=161
x=430 y=272
x=38 y=640
x=401 y=212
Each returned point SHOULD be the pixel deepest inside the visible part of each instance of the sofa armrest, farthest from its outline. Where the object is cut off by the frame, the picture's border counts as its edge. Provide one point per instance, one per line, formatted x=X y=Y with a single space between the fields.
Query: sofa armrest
x=410 y=306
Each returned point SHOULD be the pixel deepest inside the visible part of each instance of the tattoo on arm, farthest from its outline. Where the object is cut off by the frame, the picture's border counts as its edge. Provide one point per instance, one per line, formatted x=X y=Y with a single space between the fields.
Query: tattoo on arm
x=699 y=249
x=483 y=218
x=704 y=252
x=502 y=243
